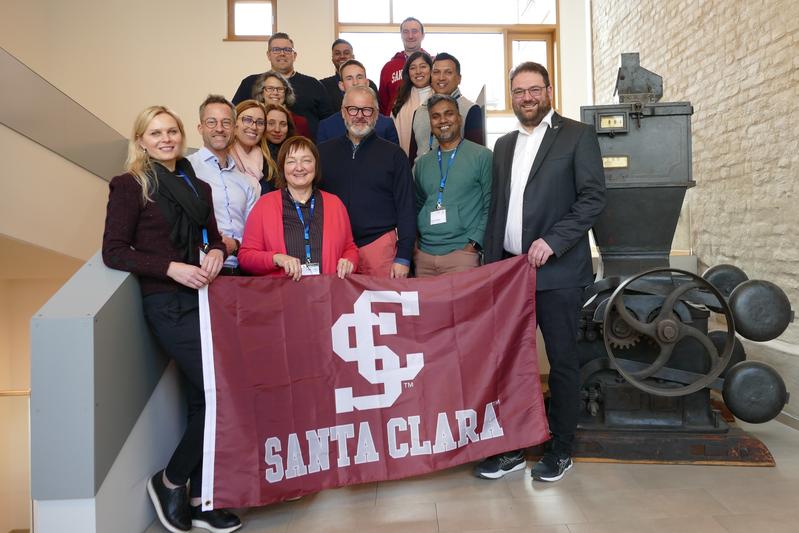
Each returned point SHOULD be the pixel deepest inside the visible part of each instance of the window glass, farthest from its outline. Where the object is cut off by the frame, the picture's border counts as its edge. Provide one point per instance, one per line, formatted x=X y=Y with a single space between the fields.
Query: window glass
x=253 y=18
x=480 y=55
x=373 y=11
x=373 y=50
x=523 y=50
x=481 y=58
x=475 y=11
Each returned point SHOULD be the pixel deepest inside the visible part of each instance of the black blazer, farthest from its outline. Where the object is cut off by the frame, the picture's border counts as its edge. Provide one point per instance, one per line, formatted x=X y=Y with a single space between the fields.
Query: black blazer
x=565 y=194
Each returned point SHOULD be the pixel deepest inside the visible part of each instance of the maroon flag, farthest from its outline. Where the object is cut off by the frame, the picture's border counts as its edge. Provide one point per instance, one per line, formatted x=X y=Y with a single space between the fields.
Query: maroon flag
x=327 y=382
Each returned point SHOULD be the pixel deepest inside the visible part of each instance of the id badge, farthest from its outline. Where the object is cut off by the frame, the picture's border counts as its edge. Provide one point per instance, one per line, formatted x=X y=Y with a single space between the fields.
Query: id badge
x=439 y=216
x=310 y=269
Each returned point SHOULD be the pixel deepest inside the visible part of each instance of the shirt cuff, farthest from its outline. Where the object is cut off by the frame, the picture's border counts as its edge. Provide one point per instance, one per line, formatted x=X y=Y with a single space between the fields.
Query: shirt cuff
x=401 y=261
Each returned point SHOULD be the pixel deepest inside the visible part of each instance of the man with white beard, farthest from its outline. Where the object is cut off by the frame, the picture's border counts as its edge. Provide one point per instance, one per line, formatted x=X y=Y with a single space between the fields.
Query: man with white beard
x=373 y=179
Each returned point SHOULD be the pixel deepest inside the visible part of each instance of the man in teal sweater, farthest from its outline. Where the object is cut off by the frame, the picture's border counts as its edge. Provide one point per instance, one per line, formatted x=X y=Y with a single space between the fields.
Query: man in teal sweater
x=453 y=194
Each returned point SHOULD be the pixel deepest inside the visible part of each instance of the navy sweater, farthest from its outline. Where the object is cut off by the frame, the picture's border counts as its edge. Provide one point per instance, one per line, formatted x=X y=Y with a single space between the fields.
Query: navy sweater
x=375 y=183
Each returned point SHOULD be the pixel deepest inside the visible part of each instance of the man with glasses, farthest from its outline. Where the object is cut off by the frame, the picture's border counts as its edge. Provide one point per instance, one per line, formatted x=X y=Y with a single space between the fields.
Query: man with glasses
x=445 y=78
x=548 y=189
x=353 y=74
x=233 y=193
x=373 y=179
x=340 y=54
x=412 y=34
x=311 y=97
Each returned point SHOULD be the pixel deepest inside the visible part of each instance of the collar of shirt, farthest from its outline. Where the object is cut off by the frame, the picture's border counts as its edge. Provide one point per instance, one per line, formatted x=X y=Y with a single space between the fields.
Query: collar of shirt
x=209 y=157
x=545 y=122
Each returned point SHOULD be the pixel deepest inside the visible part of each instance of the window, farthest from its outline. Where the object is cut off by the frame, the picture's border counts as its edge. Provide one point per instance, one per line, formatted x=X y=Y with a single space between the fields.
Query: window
x=487 y=42
x=447 y=12
x=251 y=20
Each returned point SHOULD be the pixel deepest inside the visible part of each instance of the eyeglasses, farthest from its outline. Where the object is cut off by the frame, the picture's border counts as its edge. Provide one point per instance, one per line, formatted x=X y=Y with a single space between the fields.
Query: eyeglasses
x=212 y=122
x=279 y=90
x=249 y=121
x=353 y=111
x=284 y=49
x=535 y=91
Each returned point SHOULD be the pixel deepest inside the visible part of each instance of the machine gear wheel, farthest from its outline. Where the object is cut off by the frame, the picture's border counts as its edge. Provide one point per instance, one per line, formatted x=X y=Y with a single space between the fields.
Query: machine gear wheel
x=620 y=335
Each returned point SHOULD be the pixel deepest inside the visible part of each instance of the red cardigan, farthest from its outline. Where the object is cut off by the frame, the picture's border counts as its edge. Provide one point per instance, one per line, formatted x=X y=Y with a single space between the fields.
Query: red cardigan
x=263 y=236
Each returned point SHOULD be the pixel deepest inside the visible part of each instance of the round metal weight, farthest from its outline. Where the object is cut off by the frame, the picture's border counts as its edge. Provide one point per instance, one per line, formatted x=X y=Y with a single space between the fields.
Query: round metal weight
x=666 y=330
x=738 y=352
x=754 y=392
x=761 y=309
x=725 y=277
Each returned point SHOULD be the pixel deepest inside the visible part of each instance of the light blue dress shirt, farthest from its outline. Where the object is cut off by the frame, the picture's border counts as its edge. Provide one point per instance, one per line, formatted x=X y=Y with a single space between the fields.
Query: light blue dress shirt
x=233 y=193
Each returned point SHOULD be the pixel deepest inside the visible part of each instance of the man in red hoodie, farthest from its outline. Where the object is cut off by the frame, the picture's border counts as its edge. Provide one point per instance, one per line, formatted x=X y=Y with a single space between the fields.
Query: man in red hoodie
x=412 y=33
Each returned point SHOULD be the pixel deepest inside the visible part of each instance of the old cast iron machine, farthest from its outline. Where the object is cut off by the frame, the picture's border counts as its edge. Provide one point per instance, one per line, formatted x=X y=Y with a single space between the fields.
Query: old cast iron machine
x=654 y=340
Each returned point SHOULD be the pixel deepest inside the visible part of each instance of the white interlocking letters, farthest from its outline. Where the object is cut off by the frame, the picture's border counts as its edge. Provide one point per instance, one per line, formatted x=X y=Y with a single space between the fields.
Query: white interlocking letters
x=390 y=373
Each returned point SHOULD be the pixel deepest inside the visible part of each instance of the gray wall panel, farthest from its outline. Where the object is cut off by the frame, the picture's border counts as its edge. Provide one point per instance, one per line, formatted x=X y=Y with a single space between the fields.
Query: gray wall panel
x=93 y=368
x=62 y=426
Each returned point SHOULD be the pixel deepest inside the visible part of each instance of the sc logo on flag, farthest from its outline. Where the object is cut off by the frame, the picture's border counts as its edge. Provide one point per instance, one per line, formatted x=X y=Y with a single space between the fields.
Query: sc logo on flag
x=366 y=354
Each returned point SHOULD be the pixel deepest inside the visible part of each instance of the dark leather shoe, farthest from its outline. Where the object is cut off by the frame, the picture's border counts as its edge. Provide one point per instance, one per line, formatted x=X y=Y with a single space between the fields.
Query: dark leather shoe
x=171 y=505
x=216 y=521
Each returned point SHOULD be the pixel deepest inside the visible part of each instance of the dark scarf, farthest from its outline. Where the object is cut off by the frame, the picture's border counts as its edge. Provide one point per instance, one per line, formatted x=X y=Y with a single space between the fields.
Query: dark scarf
x=185 y=212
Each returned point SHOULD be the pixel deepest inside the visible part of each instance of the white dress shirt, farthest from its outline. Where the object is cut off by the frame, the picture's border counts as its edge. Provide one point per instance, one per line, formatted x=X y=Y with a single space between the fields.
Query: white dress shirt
x=527 y=145
x=234 y=196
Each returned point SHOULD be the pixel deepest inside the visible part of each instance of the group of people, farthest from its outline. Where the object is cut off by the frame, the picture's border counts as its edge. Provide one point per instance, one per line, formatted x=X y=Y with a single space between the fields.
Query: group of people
x=284 y=187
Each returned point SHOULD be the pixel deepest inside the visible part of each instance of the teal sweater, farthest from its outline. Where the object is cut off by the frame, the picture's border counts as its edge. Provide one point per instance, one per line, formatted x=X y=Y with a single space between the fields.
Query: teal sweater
x=467 y=196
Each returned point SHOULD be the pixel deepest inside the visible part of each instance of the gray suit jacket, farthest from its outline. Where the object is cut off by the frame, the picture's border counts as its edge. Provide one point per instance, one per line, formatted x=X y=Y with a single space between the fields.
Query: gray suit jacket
x=565 y=194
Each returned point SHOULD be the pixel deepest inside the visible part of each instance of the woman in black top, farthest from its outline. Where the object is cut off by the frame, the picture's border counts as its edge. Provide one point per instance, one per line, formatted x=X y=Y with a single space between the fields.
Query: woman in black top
x=160 y=218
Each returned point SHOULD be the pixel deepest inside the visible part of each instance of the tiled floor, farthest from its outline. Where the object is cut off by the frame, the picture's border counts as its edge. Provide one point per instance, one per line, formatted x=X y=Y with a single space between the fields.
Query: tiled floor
x=592 y=498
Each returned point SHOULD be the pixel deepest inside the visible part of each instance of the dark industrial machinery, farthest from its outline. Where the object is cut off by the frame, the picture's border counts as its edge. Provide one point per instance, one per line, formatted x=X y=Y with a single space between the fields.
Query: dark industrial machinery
x=654 y=340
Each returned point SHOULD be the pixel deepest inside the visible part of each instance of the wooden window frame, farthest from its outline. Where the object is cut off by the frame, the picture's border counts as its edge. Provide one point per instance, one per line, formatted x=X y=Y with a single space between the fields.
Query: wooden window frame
x=231 y=20
x=510 y=32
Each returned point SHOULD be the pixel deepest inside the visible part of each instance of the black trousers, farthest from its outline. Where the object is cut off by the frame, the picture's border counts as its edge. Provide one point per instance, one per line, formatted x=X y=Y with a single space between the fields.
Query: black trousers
x=174 y=319
x=558 y=315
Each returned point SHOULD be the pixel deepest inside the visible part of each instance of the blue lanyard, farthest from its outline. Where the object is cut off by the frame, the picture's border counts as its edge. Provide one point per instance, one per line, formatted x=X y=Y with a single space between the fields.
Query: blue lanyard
x=191 y=185
x=443 y=182
x=306 y=226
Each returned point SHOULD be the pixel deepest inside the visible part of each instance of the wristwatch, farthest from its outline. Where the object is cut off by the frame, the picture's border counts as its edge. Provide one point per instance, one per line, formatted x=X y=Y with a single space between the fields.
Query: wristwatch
x=476 y=245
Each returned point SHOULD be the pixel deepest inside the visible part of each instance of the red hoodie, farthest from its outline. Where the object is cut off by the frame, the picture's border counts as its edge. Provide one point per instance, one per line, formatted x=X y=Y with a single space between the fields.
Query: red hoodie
x=390 y=82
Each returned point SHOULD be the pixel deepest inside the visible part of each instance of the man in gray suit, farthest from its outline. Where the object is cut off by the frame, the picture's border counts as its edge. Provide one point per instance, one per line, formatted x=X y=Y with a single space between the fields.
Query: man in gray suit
x=548 y=189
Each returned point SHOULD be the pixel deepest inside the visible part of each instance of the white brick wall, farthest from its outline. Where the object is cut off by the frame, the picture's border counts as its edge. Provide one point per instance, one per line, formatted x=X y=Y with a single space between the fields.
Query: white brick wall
x=737 y=62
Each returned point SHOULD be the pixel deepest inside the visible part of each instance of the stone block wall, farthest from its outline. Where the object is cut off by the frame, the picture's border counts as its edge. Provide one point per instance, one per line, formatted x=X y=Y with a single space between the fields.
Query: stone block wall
x=737 y=62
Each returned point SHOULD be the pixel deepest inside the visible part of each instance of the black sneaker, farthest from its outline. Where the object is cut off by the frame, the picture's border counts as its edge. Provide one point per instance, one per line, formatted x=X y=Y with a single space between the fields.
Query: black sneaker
x=171 y=505
x=551 y=467
x=216 y=521
x=497 y=466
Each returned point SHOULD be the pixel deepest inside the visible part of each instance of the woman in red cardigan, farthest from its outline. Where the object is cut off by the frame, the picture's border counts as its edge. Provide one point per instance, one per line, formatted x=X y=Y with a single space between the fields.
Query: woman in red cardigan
x=298 y=230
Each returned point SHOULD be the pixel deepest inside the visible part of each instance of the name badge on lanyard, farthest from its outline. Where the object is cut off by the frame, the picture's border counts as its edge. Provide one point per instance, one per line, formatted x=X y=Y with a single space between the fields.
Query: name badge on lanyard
x=308 y=268
x=439 y=215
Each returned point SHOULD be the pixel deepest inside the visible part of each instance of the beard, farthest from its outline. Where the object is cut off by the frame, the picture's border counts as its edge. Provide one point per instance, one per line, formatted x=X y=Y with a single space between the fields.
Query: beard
x=531 y=119
x=359 y=131
x=449 y=135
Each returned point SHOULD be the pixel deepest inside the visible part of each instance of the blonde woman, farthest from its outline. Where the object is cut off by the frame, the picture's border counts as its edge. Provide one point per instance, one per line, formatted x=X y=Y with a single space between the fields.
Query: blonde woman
x=250 y=148
x=159 y=219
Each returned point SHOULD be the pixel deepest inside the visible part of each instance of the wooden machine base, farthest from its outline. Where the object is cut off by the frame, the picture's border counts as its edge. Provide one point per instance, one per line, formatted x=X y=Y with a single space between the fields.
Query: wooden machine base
x=734 y=448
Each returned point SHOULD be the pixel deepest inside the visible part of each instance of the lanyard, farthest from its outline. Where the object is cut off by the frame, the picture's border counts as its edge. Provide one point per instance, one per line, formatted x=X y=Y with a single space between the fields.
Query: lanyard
x=443 y=182
x=191 y=185
x=306 y=226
